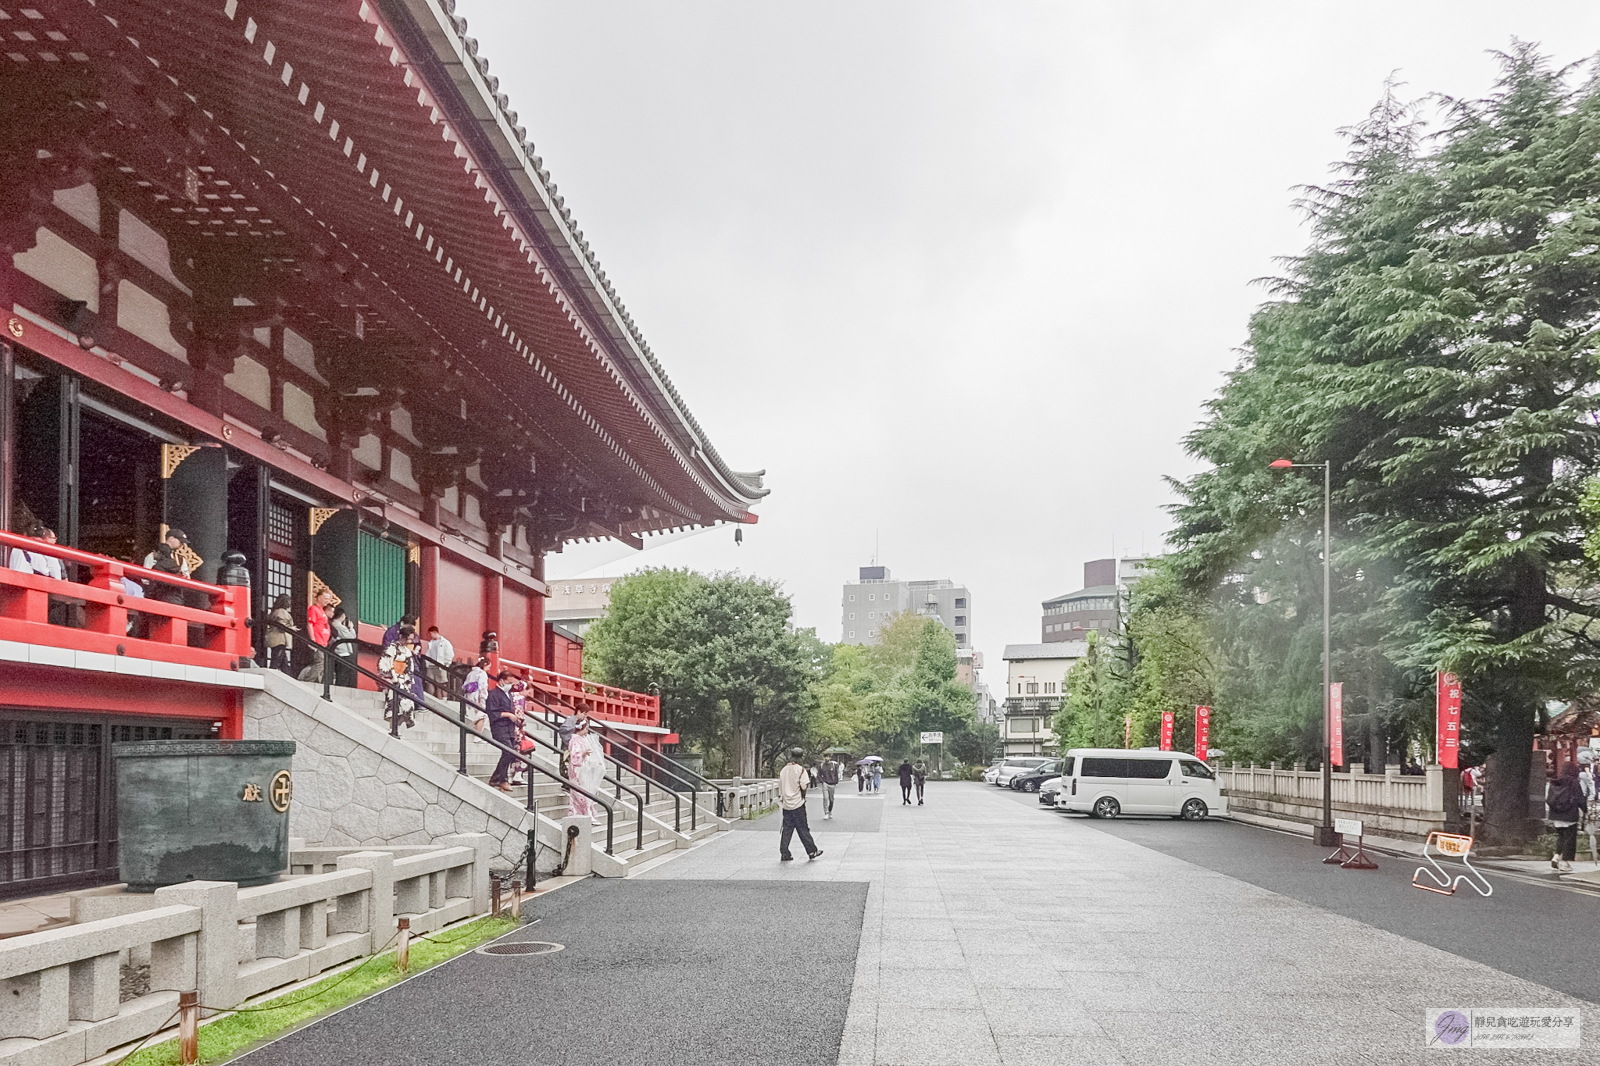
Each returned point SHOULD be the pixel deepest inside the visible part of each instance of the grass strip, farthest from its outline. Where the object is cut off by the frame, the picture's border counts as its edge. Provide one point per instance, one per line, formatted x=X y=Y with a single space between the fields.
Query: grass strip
x=221 y=1039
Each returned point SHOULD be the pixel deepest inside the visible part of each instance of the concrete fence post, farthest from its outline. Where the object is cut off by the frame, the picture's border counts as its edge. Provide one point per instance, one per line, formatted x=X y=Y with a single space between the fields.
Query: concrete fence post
x=35 y=1004
x=380 y=899
x=581 y=864
x=478 y=885
x=216 y=955
x=1434 y=775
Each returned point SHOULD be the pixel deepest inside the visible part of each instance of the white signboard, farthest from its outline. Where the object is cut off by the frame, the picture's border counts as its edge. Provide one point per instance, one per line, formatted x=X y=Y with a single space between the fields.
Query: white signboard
x=933 y=738
x=1348 y=827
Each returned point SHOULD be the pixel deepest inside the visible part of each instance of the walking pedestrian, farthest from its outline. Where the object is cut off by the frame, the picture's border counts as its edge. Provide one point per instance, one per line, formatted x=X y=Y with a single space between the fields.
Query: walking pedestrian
x=396 y=667
x=877 y=777
x=503 y=728
x=393 y=631
x=828 y=772
x=792 y=798
x=320 y=631
x=38 y=562
x=279 y=642
x=586 y=768
x=861 y=779
x=919 y=774
x=175 y=541
x=475 y=691
x=905 y=782
x=441 y=652
x=1564 y=798
x=164 y=560
x=1589 y=781
x=343 y=648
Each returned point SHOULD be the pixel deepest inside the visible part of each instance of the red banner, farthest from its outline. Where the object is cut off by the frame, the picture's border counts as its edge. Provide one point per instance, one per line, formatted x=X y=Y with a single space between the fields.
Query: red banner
x=1449 y=734
x=1166 y=730
x=1336 y=723
x=1202 y=732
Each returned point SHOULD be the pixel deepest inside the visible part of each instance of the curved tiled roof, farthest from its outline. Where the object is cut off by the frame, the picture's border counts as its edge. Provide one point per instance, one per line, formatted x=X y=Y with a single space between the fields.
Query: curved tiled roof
x=648 y=372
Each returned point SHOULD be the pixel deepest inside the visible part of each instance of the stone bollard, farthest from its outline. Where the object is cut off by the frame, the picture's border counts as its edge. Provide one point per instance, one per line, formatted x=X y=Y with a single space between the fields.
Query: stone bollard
x=581 y=862
x=476 y=882
x=379 y=917
x=216 y=958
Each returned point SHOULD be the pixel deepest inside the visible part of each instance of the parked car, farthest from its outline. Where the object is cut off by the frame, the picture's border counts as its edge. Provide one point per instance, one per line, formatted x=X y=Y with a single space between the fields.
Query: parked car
x=1106 y=782
x=1051 y=789
x=1016 y=765
x=1032 y=779
x=989 y=774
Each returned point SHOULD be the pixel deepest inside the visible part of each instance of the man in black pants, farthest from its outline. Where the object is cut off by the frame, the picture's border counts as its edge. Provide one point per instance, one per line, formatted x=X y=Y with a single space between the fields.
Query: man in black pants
x=829 y=775
x=503 y=728
x=792 y=798
x=905 y=782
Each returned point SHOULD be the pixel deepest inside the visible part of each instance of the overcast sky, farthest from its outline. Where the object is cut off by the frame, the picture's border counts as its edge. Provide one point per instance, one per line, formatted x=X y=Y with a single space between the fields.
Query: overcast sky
x=959 y=276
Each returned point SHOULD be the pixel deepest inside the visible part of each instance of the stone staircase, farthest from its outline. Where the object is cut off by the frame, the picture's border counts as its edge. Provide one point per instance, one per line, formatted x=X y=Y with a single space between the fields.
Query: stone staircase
x=426 y=760
x=667 y=824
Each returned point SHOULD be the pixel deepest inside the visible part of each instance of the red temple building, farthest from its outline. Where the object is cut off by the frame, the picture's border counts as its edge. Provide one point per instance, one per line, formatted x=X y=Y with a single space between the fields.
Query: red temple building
x=286 y=275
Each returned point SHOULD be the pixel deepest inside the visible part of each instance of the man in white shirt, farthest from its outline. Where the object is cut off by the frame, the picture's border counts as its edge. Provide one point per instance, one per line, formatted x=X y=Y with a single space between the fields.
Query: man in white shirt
x=792 y=781
x=38 y=562
x=441 y=651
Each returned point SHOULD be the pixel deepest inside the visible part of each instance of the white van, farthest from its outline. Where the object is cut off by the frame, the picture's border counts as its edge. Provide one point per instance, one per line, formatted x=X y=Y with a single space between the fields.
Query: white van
x=1106 y=782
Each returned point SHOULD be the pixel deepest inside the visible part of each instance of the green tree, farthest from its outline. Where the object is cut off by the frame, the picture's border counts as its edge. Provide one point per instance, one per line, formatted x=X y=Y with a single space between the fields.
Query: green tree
x=1436 y=342
x=1091 y=713
x=735 y=674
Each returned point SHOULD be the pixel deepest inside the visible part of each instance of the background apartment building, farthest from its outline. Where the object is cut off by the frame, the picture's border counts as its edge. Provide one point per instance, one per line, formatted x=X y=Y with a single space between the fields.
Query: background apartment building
x=1036 y=682
x=866 y=604
x=1099 y=605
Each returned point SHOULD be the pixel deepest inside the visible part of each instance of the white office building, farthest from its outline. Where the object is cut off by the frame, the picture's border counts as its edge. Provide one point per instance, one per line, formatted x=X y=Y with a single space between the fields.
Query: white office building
x=868 y=603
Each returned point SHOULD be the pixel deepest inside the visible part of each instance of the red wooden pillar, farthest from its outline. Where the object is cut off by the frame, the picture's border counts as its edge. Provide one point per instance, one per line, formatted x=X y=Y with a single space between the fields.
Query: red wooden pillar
x=430 y=587
x=536 y=639
x=491 y=613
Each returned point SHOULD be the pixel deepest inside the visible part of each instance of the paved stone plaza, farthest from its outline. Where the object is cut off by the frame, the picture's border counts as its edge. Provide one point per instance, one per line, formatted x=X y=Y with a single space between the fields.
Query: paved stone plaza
x=996 y=932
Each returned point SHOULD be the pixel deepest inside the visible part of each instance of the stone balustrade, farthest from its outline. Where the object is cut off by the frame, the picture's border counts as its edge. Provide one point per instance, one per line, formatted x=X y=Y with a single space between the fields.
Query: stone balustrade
x=1388 y=804
x=61 y=990
x=746 y=798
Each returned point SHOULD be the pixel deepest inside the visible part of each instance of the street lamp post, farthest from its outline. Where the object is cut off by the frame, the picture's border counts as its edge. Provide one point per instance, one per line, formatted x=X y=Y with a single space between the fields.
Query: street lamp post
x=1325 y=833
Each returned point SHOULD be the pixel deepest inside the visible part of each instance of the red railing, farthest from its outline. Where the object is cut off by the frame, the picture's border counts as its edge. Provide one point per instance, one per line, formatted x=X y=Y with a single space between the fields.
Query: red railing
x=602 y=701
x=102 y=605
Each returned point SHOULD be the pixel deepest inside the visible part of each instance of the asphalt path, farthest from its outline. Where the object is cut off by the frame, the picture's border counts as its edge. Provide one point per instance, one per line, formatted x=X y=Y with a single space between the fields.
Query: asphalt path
x=1541 y=933
x=709 y=973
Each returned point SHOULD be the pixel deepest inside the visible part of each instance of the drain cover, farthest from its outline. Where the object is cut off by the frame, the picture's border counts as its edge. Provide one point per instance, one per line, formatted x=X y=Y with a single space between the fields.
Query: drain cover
x=521 y=947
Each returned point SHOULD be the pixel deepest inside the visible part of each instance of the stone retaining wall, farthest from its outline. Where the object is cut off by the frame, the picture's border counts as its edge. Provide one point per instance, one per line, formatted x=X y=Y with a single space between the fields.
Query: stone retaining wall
x=356 y=786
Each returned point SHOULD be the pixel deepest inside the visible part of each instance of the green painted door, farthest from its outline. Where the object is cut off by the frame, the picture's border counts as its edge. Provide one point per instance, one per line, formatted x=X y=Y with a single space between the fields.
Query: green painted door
x=381 y=565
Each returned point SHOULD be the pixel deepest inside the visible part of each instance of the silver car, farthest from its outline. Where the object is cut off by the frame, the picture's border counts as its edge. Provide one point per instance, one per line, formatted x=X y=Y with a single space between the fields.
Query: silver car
x=1016 y=765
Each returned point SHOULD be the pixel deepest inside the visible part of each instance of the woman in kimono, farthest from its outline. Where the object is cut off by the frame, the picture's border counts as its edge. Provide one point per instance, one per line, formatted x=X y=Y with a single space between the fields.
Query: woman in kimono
x=395 y=666
x=586 y=759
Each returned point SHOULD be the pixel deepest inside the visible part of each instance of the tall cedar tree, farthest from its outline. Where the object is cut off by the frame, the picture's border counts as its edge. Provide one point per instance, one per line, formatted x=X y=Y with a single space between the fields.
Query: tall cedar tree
x=1437 y=343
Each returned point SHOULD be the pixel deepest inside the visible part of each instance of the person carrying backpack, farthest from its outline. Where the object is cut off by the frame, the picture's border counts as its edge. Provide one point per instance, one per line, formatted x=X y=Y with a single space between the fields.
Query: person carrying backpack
x=1563 y=798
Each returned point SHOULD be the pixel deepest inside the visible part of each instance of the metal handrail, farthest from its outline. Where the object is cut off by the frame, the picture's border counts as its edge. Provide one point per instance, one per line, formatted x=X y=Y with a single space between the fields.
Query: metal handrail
x=678 y=770
x=640 y=802
x=656 y=761
x=454 y=688
x=426 y=702
x=677 y=799
x=655 y=764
